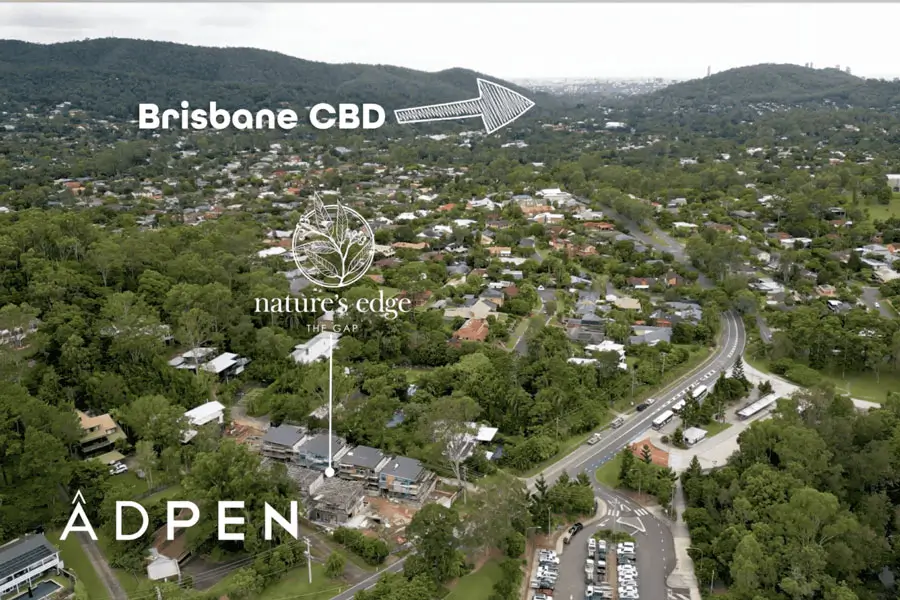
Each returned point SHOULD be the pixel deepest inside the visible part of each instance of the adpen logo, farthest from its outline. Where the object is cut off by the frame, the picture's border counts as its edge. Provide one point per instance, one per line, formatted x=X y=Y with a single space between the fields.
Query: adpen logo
x=333 y=245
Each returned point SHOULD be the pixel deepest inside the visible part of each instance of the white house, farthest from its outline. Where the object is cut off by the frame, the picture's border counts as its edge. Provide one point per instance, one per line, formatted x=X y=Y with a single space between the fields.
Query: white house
x=273 y=251
x=894 y=182
x=608 y=346
x=205 y=413
x=316 y=348
x=26 y=559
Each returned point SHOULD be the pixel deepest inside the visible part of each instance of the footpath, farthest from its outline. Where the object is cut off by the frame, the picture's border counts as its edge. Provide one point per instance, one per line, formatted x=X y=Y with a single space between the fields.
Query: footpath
x=682 y=576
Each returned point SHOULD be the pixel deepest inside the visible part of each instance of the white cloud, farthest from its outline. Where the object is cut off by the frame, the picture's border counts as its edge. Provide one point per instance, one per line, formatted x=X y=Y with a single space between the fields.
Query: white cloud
x=500 y=39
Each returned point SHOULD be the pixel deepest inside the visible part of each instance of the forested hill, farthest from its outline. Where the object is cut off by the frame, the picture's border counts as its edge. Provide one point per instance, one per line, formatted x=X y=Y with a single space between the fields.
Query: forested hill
x=112 y=76
x=775 y=84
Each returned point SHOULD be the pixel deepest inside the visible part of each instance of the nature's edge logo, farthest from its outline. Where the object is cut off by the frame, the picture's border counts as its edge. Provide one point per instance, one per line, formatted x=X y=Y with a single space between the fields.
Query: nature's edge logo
x=333 y=247
x=336 y=241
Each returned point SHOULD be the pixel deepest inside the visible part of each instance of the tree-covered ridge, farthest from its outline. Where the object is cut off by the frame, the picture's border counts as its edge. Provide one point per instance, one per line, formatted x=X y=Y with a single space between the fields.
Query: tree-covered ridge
x=777 y=84
x=806 y=508
x=112 y=76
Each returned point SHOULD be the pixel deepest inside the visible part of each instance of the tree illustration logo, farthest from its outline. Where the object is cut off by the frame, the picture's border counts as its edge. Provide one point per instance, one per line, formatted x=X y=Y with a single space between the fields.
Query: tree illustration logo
x=333 y=245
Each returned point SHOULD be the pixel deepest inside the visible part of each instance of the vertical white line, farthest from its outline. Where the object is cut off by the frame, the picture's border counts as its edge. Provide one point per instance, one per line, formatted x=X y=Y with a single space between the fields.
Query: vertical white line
x=330 y=471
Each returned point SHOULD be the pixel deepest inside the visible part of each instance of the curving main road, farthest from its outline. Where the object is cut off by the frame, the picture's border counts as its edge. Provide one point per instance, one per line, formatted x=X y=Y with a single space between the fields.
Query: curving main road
x=655 y=545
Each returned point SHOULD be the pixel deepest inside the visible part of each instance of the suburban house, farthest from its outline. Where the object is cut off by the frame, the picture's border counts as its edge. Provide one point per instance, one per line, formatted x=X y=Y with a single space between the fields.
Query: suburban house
x=473 y=330
x=364 y=464
x=419 y=299
x=650 y=335
x=281 y=443
x=496 y=297
x=99 y=435
x=317 y=348
x=610 y=346
x=166 y=555
x=211 y=412
x=313 y=451
x=626 y=303
x=26 y=559
x=225 y=365
x=472 y=308
x=337 y=501
x=407 y=479
x=641 y=283
x=894 y=182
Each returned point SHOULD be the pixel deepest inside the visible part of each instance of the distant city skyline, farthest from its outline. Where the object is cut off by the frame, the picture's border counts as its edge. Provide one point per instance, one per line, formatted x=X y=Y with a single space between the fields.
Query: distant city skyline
x=504 y=40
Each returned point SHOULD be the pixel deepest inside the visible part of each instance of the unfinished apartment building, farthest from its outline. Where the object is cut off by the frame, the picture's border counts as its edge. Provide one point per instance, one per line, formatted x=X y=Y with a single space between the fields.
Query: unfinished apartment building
x=337 y=501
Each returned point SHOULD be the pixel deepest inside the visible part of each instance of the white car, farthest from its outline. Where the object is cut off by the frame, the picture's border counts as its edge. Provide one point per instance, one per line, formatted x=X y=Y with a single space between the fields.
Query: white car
x=877 y=305
x=117 y=468
x=650 y=401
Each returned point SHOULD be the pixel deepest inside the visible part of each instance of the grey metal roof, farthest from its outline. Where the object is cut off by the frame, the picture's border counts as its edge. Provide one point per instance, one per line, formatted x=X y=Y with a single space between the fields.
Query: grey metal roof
x=405 y=468
x=22 y=552
x=318 y=444
x=363 y=456
x=283 y=435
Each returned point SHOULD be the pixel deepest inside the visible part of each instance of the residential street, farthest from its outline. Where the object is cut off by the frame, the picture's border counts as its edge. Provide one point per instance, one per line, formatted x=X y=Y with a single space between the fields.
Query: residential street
x=871 y=296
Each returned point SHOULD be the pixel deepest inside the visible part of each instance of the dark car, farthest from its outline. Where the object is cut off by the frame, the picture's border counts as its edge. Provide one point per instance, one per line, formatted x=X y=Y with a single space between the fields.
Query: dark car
x=641 y=406
x=577 y=527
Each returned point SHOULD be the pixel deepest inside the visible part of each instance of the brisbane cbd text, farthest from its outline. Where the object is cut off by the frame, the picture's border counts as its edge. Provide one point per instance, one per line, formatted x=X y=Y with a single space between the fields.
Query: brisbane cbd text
x=321 y=116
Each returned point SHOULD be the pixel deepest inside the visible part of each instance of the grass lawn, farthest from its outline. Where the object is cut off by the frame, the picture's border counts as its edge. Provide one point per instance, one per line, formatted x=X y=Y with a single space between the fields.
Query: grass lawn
x=882 y=212
x=389 y=292
x=517 y=333
x=413 y=374
x=129 y=484
x=715 y=428
x=168 y=493
x=295 y=584
x=863 y=386
x=77 y=561
x=642 y=392
x=477 y=585
x=608 y=473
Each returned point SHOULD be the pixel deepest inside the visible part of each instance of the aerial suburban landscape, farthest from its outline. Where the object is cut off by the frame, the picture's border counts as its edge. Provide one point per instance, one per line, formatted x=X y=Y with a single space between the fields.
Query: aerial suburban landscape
x=632 y=340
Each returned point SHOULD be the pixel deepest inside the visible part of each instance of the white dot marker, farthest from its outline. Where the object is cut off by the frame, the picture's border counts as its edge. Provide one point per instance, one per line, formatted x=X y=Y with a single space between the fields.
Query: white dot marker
x=329 y=472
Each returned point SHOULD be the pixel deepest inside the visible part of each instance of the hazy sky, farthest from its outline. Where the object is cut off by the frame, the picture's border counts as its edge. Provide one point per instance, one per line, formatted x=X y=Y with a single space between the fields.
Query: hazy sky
x=501 y=39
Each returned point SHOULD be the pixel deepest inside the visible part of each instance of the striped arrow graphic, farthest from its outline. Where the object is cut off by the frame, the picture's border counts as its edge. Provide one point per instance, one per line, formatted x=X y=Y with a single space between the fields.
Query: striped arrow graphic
x=498 y=106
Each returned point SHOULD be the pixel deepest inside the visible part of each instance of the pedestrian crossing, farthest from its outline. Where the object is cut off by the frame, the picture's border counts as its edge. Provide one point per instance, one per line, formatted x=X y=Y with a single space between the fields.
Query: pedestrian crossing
x=641 y=511
x=673 y=595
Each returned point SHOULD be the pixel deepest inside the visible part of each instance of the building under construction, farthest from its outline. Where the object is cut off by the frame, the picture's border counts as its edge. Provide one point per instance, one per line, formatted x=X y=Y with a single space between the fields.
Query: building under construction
x=337 y=501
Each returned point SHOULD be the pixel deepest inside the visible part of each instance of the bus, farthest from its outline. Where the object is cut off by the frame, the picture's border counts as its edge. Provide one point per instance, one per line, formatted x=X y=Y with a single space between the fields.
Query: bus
x=700 y=392
x=757 y=407
x=678 y=406
x=663 y=419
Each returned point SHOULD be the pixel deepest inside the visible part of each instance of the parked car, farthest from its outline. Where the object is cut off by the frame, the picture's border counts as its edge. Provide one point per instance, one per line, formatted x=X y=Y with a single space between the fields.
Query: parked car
x=117 y=468
x=617 y=423
x=650 y=401
x=642 y=406
x=594 y=439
